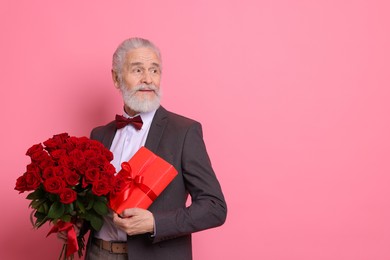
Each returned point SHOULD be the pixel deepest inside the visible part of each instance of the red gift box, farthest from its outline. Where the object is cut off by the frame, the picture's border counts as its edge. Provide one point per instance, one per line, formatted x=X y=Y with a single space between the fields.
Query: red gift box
x=146 y=176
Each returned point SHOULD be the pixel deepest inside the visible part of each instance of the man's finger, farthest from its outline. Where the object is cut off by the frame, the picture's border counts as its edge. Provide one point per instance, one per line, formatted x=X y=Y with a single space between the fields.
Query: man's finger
x=129 y=212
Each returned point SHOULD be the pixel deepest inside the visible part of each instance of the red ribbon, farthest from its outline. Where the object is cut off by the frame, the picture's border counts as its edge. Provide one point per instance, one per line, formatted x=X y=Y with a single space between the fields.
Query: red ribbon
x=132 y=182
x=72 y=245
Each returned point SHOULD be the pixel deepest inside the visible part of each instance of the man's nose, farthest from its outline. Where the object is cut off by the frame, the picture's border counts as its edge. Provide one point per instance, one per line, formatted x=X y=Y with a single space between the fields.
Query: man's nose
x=146 y=78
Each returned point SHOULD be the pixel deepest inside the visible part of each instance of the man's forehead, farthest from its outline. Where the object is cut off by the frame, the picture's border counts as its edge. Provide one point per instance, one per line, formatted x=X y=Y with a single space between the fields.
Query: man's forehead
x=141 y=56
x=155 y=64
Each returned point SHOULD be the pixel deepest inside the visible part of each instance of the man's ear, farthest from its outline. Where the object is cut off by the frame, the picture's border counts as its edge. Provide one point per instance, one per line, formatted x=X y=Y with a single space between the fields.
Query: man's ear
x=115 y=79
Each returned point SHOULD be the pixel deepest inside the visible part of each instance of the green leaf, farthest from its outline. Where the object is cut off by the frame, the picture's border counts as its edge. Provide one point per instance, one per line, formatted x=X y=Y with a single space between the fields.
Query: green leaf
x=31 y=204
x=66 y=218
x=88 y=200
x=102 y=199
x=100 y=208
x=69 y=208
x=40 y=223
x=53 y=197
x=90 y=204
x=39 y=215
x=80 y=205
x=46 y=206
x=82 y=193
x=41 y=219
x=43 y=208
x=96 y=221
x=56 y=210
x=36 y=204
x=37 y=194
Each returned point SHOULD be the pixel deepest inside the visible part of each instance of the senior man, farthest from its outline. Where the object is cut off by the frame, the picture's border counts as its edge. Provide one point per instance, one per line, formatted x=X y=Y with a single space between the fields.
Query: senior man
x=163 y=231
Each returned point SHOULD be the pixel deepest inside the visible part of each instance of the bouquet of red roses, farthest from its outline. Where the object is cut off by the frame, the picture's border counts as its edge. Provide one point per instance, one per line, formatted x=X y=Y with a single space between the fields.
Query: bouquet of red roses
x=70 y=179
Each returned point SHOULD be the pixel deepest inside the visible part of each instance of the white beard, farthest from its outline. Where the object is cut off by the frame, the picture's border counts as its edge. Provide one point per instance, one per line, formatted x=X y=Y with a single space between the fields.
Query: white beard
x=139 y=103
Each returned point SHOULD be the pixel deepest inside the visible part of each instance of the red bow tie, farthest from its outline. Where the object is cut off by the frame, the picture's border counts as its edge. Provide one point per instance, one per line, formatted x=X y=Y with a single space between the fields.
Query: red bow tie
x=122 y=121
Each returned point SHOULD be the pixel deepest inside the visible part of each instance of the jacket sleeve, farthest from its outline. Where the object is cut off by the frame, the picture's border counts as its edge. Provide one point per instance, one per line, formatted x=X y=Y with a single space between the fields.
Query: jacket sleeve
x=208 y=208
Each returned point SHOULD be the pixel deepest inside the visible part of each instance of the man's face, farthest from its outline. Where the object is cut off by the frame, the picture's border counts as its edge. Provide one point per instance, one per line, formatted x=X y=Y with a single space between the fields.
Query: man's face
x=140 y=81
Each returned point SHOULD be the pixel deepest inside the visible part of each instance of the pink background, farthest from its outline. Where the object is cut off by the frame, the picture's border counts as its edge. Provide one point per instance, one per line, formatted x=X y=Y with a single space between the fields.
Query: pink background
x=293 y=97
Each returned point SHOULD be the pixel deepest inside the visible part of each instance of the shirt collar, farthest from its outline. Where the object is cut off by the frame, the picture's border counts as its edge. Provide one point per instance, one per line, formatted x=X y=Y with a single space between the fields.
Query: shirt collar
x=146 y=117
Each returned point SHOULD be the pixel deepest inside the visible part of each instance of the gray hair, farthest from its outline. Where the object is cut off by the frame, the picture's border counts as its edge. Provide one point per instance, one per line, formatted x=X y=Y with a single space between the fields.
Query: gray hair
x=127 y=45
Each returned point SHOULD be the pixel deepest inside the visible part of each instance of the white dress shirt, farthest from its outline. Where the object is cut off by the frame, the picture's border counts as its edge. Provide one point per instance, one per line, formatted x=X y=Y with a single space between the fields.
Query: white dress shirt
x=126 y=143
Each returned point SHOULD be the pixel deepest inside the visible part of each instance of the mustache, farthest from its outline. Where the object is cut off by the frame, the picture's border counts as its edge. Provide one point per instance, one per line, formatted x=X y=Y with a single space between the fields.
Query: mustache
x=145 y=87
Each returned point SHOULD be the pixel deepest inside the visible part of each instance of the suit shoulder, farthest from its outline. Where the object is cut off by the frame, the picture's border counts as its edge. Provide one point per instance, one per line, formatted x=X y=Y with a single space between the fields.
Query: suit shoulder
x=100 y=130
x=180 y=120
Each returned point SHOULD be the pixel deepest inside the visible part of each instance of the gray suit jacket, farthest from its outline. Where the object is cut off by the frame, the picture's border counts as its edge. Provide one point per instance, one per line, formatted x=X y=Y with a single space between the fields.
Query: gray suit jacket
x=179 y=141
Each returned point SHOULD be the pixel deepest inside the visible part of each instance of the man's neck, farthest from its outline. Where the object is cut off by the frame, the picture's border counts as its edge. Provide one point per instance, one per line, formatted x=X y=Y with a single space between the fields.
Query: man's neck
x=130 y=112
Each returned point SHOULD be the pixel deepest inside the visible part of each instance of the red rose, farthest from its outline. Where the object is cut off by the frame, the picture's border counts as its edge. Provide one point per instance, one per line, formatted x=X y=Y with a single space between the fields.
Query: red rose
x=100 y=188
x=101 y=160
x=80 y=167
x=72 y=178
x=92 y=175
x=47 y=162
x=84 y=183
x=39 y=156
x=34 y=148
x=109 y=168
x=58 y=153
x=91 y=163
x=68 y=146
x=54 y=185
x=21 y=184
x=61 y=171
x=67 y=161
x=56 y=141
x=62 y=137
x=80 y=143
x=74 y=140
x=119 y=183
x=89 y=154
x=52 y=144
x=33 y=180
x=95 y=145
x=33 y=167
x=95 y=162
x=77 y=154
x=108 y=154
x=49 y=172
x=78 y=158
x=67 y=196
x=107 y=177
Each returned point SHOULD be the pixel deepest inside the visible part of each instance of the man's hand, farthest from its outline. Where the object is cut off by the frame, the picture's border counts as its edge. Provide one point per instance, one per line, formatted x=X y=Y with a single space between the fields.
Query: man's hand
x=135 y=221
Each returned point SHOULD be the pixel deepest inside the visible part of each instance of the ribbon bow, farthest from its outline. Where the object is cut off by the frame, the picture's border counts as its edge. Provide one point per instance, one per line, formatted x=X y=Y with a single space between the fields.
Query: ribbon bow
x=134 y=181
x=122 y=121
x=72 y=245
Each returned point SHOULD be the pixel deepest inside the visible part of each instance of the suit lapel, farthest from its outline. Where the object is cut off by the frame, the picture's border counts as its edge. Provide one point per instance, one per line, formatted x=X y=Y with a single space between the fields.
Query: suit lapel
x=109 y=136
x=157 y=128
